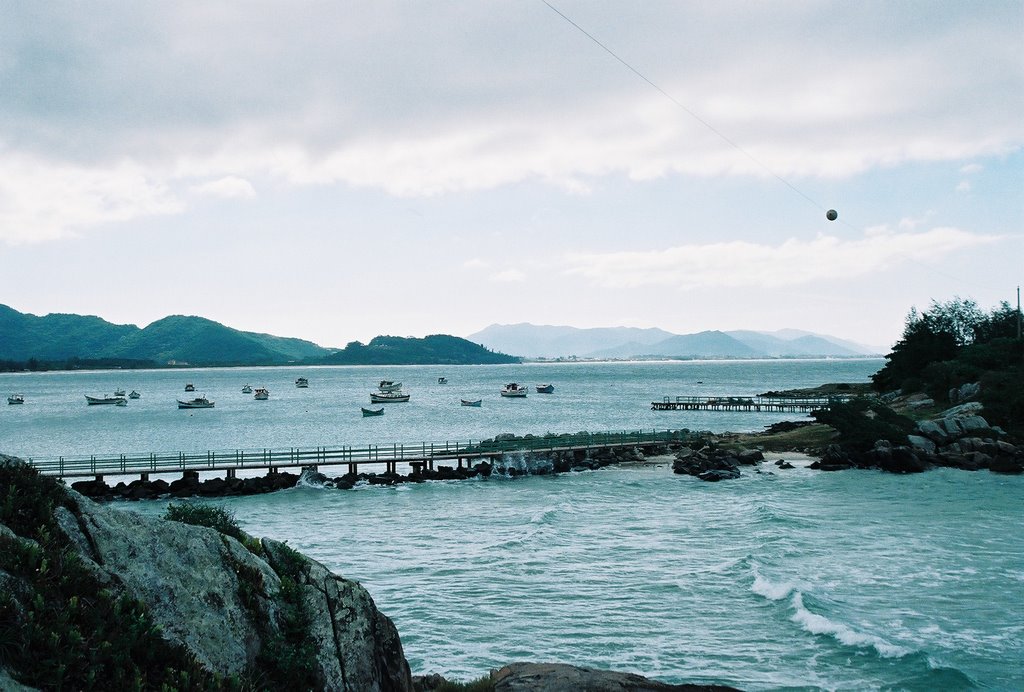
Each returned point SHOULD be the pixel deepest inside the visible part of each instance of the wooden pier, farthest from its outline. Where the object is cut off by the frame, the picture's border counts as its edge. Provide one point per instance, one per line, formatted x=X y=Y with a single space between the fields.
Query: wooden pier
x=420 y=454
x=756 y=404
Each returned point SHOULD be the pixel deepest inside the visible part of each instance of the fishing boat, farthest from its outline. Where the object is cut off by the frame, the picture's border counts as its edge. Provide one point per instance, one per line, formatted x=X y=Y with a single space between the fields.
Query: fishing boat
x=134 y=395
x=16 y=399
x=190 y=387
x=475 y=402
x=261 y=394
x=389 y=386
x=302 y=383
x=246 y=389
x=118 y=392
x=545 y=388
x=514 y=390
x=372 y=411
x=198 y=402
x=101 y=400
x=387 y=397
x=442 y=380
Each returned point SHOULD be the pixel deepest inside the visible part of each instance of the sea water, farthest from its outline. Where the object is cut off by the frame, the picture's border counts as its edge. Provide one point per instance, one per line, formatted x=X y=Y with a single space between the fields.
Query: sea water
x=781 y=579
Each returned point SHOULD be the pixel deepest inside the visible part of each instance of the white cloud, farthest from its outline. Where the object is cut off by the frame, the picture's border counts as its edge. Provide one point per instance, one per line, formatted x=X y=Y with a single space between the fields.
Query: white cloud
x=476 y=263
x=510 y=276
x=972 y=168
x=45 y=200
x=963 y=186
x=794 y=262
x=230 y=187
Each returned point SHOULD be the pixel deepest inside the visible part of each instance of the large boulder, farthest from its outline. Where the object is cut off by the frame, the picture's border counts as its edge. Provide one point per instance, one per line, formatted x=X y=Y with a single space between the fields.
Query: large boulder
x=231 y=605
x=557 y=677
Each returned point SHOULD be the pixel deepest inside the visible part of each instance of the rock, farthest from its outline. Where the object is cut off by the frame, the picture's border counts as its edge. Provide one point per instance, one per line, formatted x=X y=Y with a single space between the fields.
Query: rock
x=1007 y=464
x=750 y=457
x=933 y=431
x=557 y=677
x=922 y=443
x=963 y=409
x=971 y=423
x=210 y=594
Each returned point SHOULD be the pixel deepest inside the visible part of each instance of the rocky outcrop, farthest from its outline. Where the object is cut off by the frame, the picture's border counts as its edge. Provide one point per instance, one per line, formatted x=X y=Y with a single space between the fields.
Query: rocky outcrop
x=555 y=677
x=957 y=438
x=232 y=607
x=711 y=463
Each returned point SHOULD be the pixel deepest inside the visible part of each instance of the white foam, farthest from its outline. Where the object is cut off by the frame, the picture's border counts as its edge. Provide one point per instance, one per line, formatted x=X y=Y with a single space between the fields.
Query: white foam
x=844 y=634
x=771 y=590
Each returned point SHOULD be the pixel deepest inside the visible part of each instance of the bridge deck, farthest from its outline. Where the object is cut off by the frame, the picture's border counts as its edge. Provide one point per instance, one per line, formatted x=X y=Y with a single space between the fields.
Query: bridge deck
x=389 y=454
x=744 y=403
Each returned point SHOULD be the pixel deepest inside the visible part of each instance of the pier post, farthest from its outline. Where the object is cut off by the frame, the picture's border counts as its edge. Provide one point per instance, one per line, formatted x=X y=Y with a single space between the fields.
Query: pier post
x=144 y=476
x=353 y=469
x=230 y=473
x=314 y=468
x=271 y=470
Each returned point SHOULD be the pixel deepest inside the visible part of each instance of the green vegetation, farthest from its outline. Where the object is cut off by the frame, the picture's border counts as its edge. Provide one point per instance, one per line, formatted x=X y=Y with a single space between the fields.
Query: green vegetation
x=60 y=627
x=956 y=343
x=861 y=422
x=217 y=518
x=437 y=349
x=483 y=684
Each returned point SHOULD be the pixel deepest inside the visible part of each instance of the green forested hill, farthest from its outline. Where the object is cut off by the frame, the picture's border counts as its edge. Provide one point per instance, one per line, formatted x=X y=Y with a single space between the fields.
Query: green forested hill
x=437 y=349
x=58 y=340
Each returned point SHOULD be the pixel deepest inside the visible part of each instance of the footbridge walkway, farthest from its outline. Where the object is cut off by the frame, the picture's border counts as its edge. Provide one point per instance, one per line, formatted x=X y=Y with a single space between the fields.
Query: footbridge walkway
x=417 y=455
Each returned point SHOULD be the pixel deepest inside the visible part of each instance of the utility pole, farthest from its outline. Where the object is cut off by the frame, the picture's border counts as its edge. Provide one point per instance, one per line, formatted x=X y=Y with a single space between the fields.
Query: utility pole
x=1018 y=312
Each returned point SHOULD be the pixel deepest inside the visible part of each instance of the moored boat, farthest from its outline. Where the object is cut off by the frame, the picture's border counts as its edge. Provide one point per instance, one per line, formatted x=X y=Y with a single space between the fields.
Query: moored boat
x=261 y=394
x=514 y=390
x=386 y=397
x=475 y=402
x=372 y=411
x=118 y=392
x=190 y=387
x=134 y=395
x=302 y=383
x=198 y=402
x=545 y=388
x=109 y=400
x=442 y=380
x=389 y=386
x=16 y=399
x=246 y=389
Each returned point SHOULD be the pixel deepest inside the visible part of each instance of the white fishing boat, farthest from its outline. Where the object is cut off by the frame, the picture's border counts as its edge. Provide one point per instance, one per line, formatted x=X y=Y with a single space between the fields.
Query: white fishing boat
x=16 y=399
x=387 y=397
x=198 y=402
x=302 y=383
x=246 y=389
x=105 y=400
x=118 y=392
x=389 y=386
x=514 y=390
x=545 y=388
x=261 y=394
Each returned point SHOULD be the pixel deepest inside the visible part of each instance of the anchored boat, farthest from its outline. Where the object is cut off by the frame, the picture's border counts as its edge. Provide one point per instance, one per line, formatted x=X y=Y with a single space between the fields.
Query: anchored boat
x=514 y=390
x=372 y=411
x=198 y=402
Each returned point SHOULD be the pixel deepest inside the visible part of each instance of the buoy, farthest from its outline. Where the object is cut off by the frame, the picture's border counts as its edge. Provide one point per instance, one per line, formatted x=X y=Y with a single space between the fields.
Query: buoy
x=831 y=215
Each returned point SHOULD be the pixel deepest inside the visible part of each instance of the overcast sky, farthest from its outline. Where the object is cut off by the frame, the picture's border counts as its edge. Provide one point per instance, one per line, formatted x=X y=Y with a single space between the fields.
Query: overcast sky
x=338 y=170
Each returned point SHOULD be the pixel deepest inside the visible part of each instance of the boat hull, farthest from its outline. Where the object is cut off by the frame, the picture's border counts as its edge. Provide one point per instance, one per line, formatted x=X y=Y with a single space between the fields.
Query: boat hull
x=367 y=412
x=105 y=400
x=476 y=403
x=197 y=403
x=387 y=398
x=545 y=388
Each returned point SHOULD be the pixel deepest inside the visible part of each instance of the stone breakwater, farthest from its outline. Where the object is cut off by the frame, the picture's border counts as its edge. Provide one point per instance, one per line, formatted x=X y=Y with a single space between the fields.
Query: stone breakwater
x=510 y=464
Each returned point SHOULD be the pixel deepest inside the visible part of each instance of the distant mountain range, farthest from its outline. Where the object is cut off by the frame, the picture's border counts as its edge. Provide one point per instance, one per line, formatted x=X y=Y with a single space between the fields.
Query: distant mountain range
x=64 y=340
x=544 y=341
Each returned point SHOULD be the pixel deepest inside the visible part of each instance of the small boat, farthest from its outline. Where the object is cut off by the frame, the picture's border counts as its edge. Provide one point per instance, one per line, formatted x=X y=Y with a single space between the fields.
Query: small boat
x=16 y=399
x=100 y=400
x=302 y=383
x=386 y=397
x=389 y=386
x=545 y=388
x=514 y=390
x=442 y=380
x=198 y=402
x=476 y=402
x=190 y=387
x=118 y=392
x=372 y=412
x=246 y=389
x=134 y=395
x=261 y=394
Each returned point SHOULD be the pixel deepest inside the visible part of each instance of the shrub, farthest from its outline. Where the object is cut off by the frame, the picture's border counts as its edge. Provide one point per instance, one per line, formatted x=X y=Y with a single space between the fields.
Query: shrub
x=211 y=516
x=860 y=423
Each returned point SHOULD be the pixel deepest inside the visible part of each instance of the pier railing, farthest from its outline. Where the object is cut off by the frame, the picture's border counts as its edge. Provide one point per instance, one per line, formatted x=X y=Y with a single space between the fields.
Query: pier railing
x=746 y=403
x=390 y=454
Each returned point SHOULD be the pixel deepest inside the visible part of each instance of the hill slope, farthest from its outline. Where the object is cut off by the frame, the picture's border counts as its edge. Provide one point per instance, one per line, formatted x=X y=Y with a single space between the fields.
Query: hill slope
x=439 y=349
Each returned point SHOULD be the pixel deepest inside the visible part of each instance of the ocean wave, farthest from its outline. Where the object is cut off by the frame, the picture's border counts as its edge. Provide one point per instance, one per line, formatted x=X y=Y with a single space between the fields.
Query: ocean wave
x=771 y=590
x=844 y=634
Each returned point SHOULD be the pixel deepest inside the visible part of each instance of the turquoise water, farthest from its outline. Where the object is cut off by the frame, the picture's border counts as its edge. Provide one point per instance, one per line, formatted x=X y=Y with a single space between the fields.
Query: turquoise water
x=788 y=580
x=55 y=419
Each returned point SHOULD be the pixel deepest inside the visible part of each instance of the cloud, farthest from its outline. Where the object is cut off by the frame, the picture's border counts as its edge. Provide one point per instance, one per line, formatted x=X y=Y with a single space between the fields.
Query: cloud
x=46 y=200
x=476 y=263
x=963 y=186
x=972 y=168
x=510 y=276
x=229 y=187
x=792 y=263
